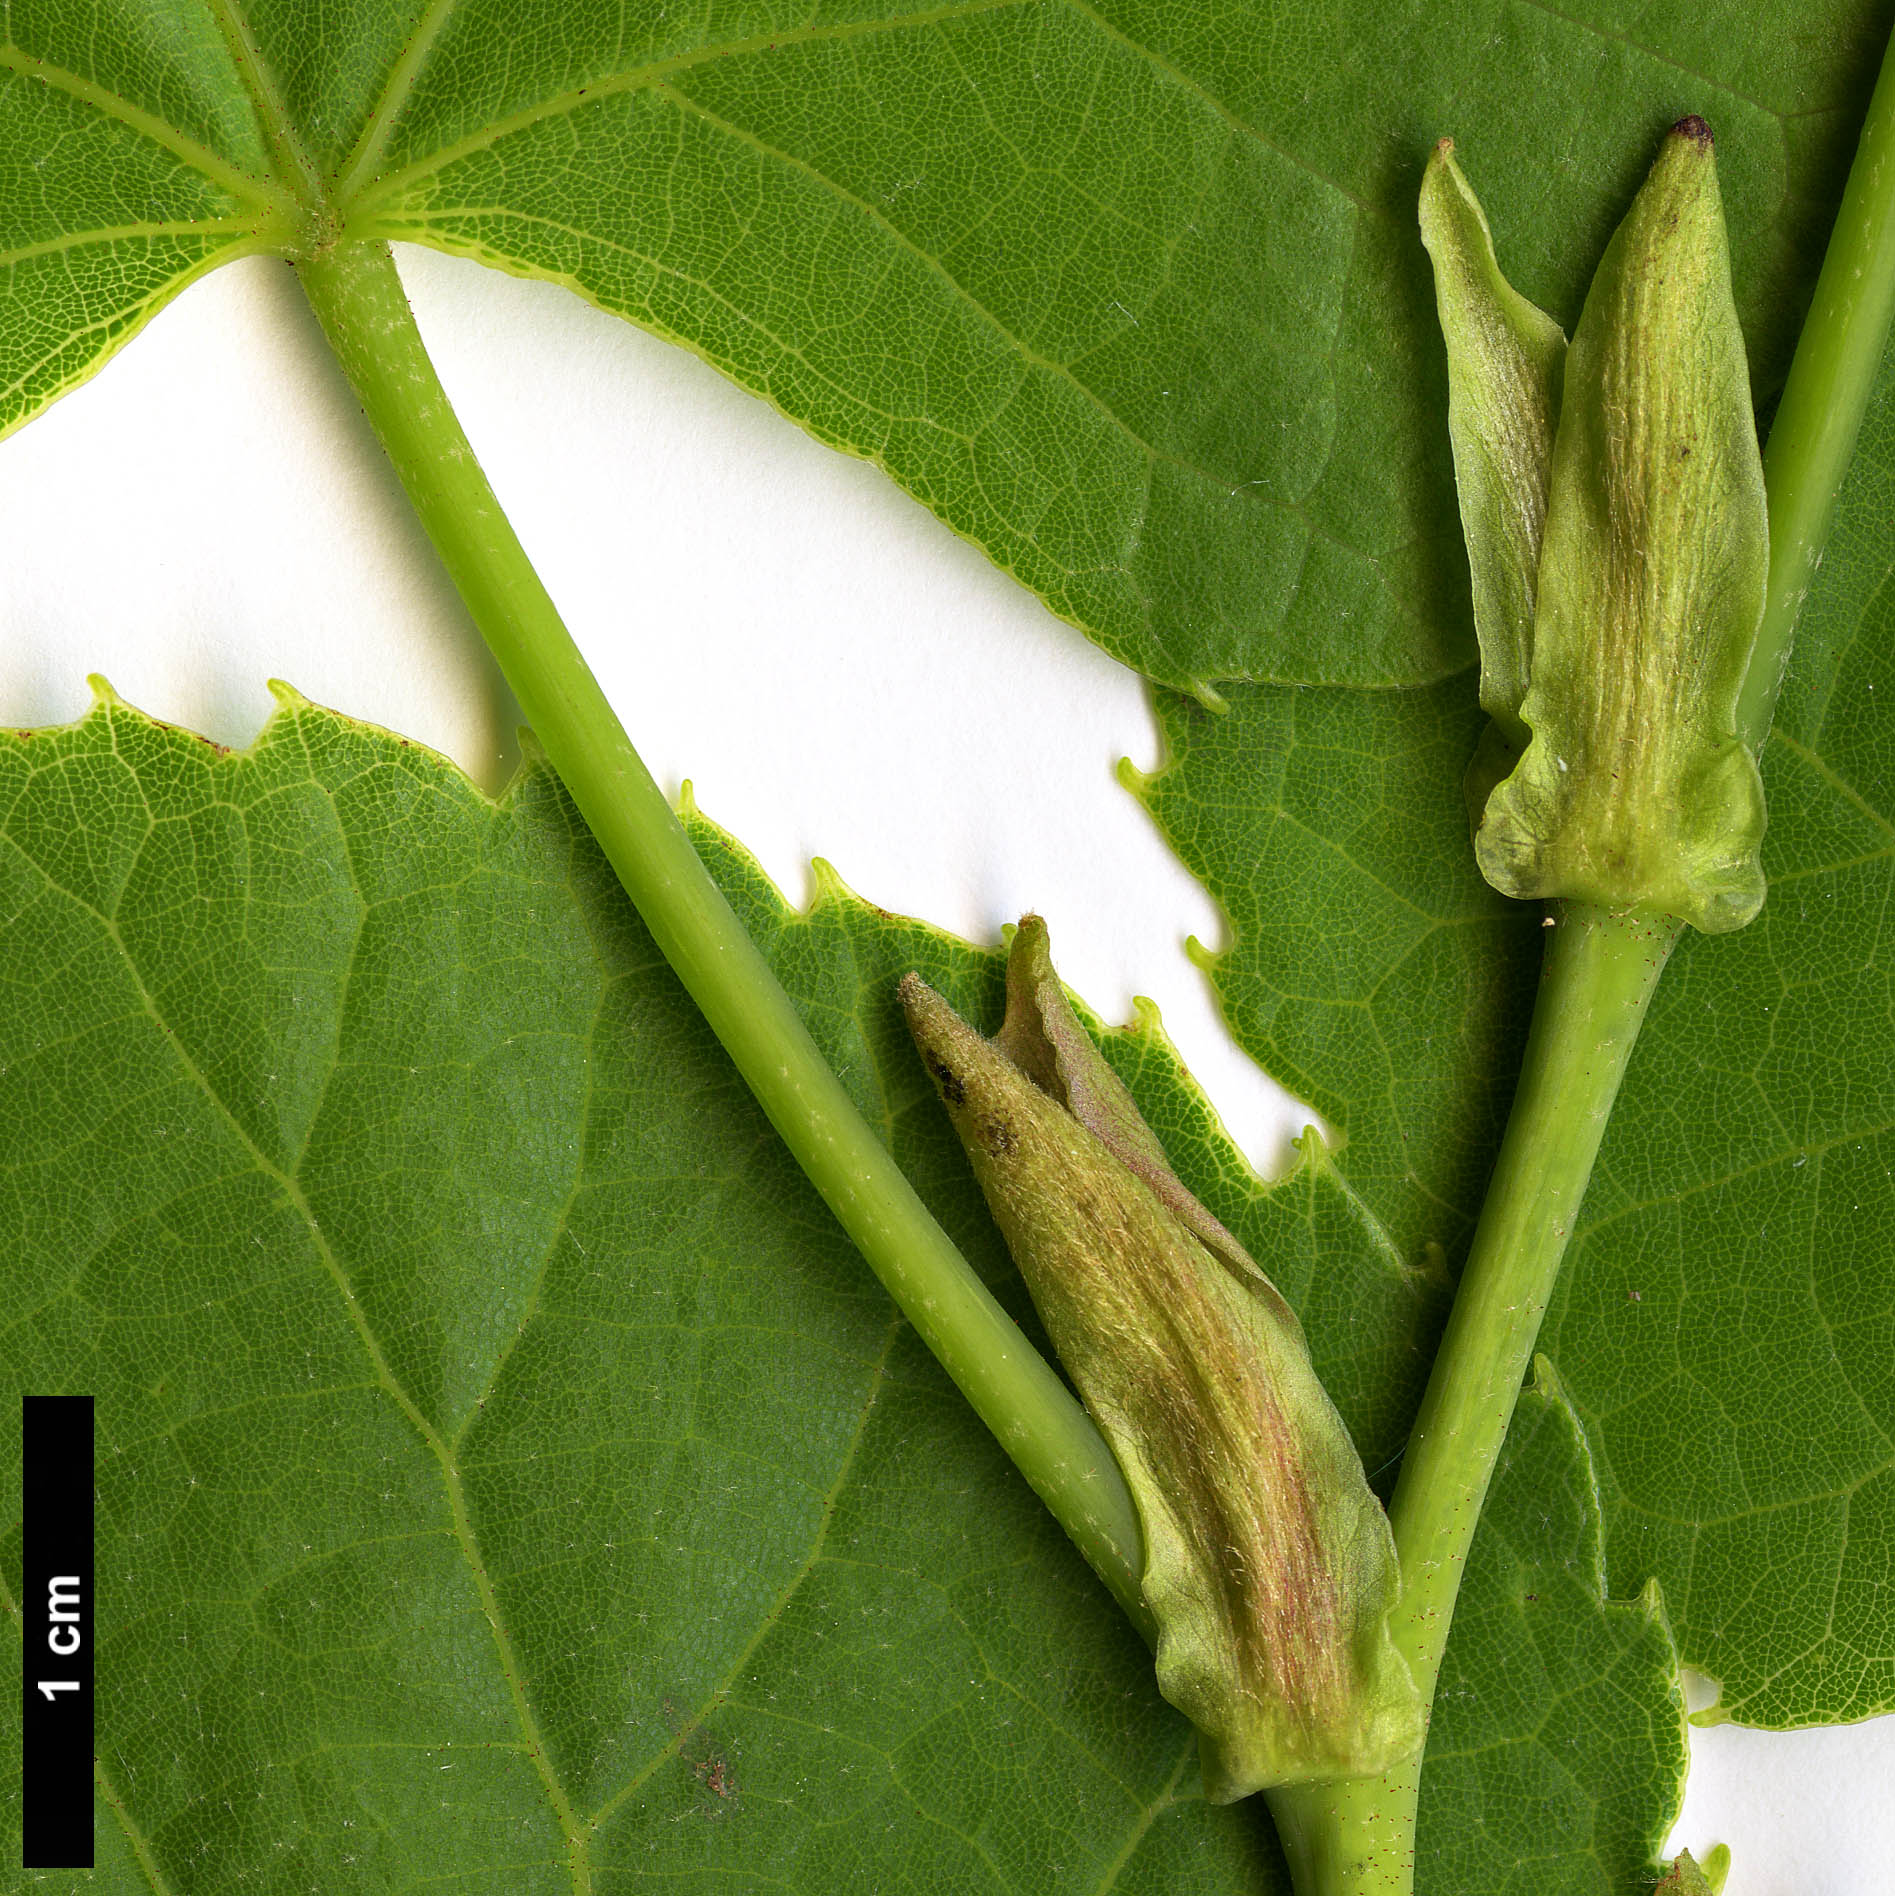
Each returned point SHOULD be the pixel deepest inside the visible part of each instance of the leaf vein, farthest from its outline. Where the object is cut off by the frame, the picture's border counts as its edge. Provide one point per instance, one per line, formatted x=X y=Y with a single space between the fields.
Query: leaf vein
x=1018 y=344
x=266 y=193
x=612 y=85
x=1834 y=780
x=133 y=1835
x=76 y=240
x=379 y=127
x=689 y=1727
x=451 y=1476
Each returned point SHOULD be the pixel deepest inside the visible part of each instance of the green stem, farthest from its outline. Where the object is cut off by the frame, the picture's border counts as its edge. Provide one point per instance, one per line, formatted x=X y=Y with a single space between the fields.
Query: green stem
x=359 y=300
x=1600 y=970
x=1814 y=433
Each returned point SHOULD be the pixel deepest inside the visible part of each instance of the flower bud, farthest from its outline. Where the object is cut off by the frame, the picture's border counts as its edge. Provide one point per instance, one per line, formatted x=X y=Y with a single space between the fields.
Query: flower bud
x=1633 y=791
x=1269 y=1565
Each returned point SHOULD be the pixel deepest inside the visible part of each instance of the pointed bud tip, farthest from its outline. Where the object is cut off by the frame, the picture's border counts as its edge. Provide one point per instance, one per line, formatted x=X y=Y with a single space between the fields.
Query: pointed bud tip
x=1444 y=147
x=1271 y=1613
x=938 y=1030
x=1695 y=129
x=926 y=1012
x=1030 y=952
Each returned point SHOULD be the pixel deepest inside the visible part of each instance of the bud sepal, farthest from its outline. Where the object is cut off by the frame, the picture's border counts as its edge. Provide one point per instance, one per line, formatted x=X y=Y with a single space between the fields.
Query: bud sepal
x=1506 y=361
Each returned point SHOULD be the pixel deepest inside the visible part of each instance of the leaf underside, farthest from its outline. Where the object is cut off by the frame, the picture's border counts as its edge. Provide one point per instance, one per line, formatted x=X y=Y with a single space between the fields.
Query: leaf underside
x=1725 y=1324
x=1128 y=292
x=1524 y=1788
x=422 y=1249
x=1745 y=1199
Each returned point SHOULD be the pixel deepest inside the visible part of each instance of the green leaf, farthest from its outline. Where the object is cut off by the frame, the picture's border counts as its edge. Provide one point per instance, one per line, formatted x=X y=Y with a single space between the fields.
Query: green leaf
x=1730 y=1271
x=502 y=1457
x=1758 y=1245
x=424 y=1253
x=1128 y=293
x=1558 y=1721
x=130 y=164
x=1370 y=968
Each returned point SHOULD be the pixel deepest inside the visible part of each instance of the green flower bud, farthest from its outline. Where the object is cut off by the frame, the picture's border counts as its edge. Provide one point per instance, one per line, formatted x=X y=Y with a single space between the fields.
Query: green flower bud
x=1633 y=791
x=1269 y=1565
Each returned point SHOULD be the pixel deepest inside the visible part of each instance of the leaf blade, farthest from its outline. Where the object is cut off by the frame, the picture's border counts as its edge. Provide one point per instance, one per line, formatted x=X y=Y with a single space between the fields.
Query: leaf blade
x=1175 y=380
x=1784 y=1191
x=621 y=1444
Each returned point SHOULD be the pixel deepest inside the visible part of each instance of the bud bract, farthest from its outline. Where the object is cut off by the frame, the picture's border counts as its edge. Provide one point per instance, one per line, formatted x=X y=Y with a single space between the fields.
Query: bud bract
x=1505 y=362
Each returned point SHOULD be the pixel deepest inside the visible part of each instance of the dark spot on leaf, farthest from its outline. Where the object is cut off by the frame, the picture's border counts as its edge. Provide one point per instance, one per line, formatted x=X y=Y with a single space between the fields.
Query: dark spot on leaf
x=714 y=1773
x=709 y=1764
x=952 y=1089
x=998 y=1136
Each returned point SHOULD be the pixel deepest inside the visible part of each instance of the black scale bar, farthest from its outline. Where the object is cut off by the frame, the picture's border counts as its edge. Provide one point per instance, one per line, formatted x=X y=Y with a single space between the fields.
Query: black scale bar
x=56 y=1734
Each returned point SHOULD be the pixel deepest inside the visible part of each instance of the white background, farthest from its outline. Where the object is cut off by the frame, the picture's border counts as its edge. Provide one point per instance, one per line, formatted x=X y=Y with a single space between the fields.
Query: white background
x=834 y=671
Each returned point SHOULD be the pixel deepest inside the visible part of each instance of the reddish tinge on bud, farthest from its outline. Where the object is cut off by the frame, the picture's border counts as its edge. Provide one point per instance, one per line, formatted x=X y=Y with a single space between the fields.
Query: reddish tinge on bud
x=1269 y=1565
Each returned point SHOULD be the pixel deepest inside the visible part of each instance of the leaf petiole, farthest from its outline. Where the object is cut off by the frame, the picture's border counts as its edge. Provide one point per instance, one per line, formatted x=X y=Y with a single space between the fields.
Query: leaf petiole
x=1827 y=391
x=1358 y=1838
x=359 y=301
